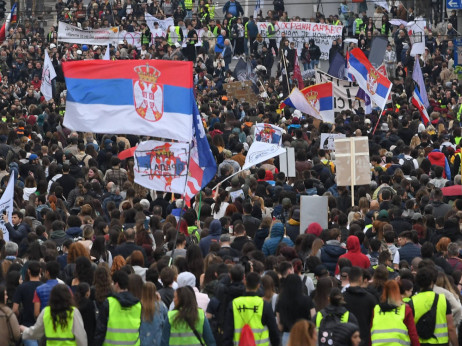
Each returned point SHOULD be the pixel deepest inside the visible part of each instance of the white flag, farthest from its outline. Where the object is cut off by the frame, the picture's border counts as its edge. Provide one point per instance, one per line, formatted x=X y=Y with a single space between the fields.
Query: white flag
x=6 y=205
x=48 y=74
x=260 y=152
x=107 y=54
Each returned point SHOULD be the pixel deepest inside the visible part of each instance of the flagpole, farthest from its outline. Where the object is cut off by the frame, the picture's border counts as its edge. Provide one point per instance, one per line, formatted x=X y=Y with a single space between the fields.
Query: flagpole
x=287 y=72
x=181 y=210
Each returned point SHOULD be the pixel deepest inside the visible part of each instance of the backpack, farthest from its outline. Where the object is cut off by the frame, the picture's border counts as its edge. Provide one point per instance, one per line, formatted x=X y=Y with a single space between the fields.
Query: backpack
x=247 y=338
x=82 y=162
x=426 y=324
x=409 y=163
x=327 y=327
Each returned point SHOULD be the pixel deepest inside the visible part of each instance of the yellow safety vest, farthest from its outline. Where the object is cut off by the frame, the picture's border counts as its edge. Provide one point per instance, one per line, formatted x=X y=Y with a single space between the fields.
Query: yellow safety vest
x=422 y=303
x=267 y=31
x=123 y=324
x=388 y=327
x=188 y=5
x=343 y=319
x=60 y=336
x=169 y=39
x=249 y=310
x=359 y=23
x=211 y=9
x=181 y=333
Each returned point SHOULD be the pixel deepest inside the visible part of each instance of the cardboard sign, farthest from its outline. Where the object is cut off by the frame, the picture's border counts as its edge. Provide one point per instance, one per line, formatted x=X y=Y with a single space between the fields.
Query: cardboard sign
x=313 y=209
x=241 y=91
x=287 y=163
x=352 y=161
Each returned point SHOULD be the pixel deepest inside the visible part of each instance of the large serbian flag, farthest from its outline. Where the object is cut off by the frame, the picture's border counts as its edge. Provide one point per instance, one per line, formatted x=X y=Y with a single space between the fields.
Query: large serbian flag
x=377 y=86
x=139 y=97
x=418 y=103
x=11 y=19
x=321 y=98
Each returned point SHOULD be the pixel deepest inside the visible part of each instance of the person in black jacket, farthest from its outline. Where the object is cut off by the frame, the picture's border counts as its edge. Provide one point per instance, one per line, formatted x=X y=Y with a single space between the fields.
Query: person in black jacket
x=17 y=229
x=315 y=54
x=360 y=303
x=129 y=246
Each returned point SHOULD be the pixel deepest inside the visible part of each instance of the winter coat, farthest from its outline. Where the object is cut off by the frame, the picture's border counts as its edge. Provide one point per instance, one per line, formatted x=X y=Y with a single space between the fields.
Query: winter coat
x=330 y=254
x=277 y=236
x=214 y=236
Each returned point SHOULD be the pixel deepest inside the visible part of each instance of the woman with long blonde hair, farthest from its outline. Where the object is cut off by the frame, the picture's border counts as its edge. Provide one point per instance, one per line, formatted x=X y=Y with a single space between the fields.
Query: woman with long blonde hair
x=153 y=316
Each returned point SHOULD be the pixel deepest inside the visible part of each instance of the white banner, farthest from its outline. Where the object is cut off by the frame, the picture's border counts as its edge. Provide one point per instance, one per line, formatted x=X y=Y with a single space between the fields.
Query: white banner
x=48 y=74
x=327 y=140
x=417 y=36
x=6 y=205
x=301 y=32
x=344 y=91
x=72 y=34
x=268 y=133
x=163 y=24
x=260 y=152
x=162 y=166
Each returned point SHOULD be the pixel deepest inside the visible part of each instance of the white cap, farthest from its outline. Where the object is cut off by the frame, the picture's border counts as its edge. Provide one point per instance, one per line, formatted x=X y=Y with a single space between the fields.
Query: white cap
x=95 y=47
x=79 y=52
x=52 y=45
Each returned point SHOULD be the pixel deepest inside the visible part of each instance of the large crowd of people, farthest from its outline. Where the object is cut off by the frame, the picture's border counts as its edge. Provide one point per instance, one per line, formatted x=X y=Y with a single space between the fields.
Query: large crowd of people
x=93 y=258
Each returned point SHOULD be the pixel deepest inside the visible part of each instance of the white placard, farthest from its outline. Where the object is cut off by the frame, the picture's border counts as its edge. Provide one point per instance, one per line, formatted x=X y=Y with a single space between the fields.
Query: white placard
x=313 y=209
x=72 y=34
x=327 y=140
x=287 y=163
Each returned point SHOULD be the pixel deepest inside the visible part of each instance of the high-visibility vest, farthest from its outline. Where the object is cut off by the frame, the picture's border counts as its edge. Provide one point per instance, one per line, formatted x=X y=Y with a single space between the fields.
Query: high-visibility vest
x=249 y=310
x=246 y=35
x=267 y=31
x=146 y=39
x=359 y=24
x=343 y=319
x=60 y=336
x=459 y=112
x=383 y=30
x=181 y=333
x=214 y=31
x=123 y=324
x=188 y=5
x=388 y=327
x=422 y=303
x=211 y=9
x=169 y=39
x=337 y=22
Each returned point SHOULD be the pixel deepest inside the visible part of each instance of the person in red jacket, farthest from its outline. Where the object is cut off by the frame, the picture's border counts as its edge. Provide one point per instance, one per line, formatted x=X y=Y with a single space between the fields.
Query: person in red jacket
x=354 y=254
x=437 y=158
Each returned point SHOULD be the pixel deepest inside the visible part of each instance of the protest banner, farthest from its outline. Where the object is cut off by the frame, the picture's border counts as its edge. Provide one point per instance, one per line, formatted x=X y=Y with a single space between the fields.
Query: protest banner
x=72 y=34
x=163 y=24
x=301 y=32
x=313 y=209
x=327 y=140
x=352 y=162
x=162 y=166
x=344 y=91
x=6 y=206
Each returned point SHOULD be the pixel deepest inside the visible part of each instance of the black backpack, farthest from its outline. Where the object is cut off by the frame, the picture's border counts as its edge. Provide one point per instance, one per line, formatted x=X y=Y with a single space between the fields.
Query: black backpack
x=327 y=327
x=426 y=324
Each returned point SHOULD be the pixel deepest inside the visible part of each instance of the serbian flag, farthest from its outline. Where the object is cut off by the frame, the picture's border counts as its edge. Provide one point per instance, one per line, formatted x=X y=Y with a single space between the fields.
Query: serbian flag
x=139 y=97
x=320 y=97
x=202 y=164
x=298 y=74
x=369 y=79
x=11 y=19
x=418 y=103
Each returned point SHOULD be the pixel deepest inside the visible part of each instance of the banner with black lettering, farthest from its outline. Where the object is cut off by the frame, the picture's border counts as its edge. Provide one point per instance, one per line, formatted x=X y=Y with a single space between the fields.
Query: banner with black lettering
x=344 y=91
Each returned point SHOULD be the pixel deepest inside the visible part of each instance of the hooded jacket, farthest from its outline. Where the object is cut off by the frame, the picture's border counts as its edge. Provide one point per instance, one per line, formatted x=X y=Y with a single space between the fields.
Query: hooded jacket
x=126 y=299
x=330 y=254
x=361 y=303
x=277 y=236
x=437 y=158
x=354 y=254
x=214 y=236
